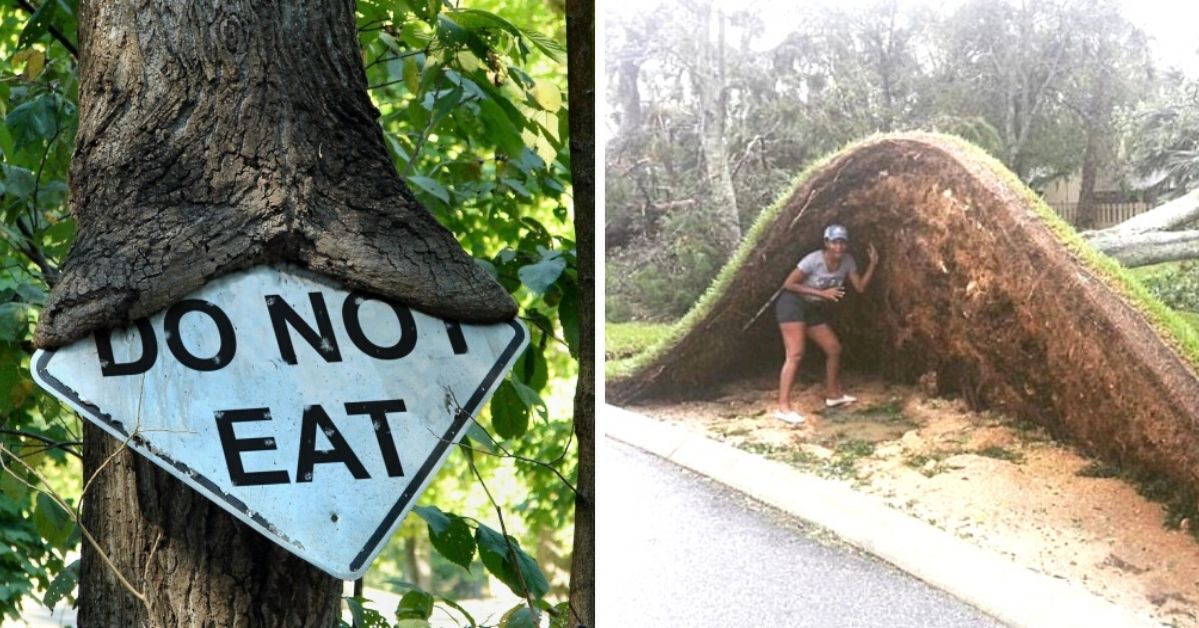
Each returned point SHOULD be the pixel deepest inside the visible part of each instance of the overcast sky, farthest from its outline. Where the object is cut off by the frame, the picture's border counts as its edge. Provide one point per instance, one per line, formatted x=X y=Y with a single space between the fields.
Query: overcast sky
x=1169 y=23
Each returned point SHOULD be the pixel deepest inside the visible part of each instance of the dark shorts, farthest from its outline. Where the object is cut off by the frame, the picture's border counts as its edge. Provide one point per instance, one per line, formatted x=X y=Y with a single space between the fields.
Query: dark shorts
x=792 y=308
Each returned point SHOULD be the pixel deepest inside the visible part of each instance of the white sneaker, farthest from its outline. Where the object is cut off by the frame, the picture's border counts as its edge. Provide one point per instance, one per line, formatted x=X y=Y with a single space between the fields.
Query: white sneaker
x=840 y=401
x=790 y=417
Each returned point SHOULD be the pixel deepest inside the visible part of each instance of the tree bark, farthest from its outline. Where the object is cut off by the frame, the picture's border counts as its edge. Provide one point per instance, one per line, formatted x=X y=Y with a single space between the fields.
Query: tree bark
x=708 y=80
x=214 y=137
x=1144 y=239
x=580 y=38
x=218 y=136
x=195 y=564
x=1086 y=188
x=1151 y=247
x=1175 y=213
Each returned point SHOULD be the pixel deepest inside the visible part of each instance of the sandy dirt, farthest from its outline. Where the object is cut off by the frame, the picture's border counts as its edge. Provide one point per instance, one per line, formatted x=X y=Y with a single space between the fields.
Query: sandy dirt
x=1000 y=485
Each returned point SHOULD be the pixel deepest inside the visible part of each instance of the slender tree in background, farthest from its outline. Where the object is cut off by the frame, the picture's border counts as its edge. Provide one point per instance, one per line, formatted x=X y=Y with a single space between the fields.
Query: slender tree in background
x=1110 y=69
x=580 y=39
x=707 y=73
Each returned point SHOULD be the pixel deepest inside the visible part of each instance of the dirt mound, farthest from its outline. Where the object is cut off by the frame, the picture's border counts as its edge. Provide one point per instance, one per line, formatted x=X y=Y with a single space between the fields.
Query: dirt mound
x=975 y=296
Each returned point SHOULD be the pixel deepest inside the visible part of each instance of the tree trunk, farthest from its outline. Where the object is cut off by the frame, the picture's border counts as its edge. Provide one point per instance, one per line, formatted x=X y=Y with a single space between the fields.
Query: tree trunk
x=1151 y=247
x=1144 y=239
x=580 y=38
x=218 y=136
x=709 y=85
x=1086 y=189
x=194 y=563
x=214 y=137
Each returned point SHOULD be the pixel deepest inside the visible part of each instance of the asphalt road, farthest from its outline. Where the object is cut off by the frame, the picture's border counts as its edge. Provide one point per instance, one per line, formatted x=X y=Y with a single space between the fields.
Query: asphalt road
x=676 y=549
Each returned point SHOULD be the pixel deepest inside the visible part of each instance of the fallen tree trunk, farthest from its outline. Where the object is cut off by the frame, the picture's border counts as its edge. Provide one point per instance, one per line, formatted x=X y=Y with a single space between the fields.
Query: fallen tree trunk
x=1151 y=247
x=1144 y=239
x=973 y=286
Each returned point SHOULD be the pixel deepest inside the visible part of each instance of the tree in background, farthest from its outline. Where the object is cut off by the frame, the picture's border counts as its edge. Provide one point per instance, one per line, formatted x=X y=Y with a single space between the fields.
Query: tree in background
x=1110 y=70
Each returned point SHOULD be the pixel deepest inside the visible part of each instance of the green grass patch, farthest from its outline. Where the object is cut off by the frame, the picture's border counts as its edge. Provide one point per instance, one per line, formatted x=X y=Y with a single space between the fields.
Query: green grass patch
x=887 y=411
x=726 y=431
x=1099 y=469
x=625 y=340
x=1178 y=502
x=1001 y=453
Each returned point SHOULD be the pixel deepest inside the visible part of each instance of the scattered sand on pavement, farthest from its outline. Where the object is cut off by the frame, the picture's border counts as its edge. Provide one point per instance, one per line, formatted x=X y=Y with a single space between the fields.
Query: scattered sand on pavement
x=999 y=485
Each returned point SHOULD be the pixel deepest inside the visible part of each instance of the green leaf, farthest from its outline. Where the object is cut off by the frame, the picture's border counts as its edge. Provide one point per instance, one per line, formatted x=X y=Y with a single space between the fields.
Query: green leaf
x=477 y=19
x=12 y=486
x=450 y=535
x=52 y=522
x=14 y=321
x=411 y=623
x=33 y=121
x=470 y=620
x=530 y=398
x=39 y=23
x=62 y=585
x=411 y=75
x=500 y=129
x=540 y=276
x=549 y=47
x=497 y=558
x=364 y=616
x=546 y=95
x=531 y=368
x=560 y=618
x=431 y=187
x=509 y=415
x=568 y=317
x=18 y=182
x=415 y=605
x=516 y=186
x=452 y=35
x=480 y=437
x=519 y=617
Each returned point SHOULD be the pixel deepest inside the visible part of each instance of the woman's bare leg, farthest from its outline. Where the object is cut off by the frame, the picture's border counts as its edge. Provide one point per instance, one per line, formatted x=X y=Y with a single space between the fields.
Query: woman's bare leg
x=793 y=340
x=824 y=336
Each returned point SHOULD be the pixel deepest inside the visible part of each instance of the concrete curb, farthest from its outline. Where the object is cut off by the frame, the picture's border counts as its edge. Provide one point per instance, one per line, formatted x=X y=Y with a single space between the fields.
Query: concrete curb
x=979 y=577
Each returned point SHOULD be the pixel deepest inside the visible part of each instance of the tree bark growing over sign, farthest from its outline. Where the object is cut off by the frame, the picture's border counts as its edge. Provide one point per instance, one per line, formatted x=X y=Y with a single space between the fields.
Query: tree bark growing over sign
x=214 y=137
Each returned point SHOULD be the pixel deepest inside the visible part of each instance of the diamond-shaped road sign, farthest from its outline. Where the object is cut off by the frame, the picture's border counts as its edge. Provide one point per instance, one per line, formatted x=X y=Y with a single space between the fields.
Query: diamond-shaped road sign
x=313 y=414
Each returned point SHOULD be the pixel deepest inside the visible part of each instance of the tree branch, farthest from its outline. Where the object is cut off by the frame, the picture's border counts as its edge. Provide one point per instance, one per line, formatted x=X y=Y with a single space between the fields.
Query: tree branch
x=1169 y=215
x=1151 y=247
x=62 y=39
x=504 y=530
x=49 y=442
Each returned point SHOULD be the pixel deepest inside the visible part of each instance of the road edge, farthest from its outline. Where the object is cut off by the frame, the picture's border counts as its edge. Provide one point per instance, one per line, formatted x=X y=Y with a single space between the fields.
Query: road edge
x=982 y=578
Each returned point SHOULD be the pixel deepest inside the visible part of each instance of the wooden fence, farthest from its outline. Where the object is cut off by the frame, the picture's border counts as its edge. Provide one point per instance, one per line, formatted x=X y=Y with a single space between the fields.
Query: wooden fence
x=1106 y=214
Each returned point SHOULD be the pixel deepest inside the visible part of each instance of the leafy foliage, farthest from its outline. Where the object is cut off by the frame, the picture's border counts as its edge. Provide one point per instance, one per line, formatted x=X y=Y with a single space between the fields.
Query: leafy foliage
x=472 y=108
x=1163 y=135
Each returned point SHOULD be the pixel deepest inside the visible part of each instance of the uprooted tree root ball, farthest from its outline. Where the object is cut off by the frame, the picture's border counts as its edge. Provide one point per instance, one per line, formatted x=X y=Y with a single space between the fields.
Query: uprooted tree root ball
x=974 y=292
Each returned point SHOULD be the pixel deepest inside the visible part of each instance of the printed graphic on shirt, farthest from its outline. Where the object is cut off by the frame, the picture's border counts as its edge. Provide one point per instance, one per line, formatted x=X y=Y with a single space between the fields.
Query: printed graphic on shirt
x=817 y=274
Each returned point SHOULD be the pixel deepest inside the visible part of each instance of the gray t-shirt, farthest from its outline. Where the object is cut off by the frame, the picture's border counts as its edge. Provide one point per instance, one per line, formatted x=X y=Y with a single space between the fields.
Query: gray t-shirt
x=819 y=276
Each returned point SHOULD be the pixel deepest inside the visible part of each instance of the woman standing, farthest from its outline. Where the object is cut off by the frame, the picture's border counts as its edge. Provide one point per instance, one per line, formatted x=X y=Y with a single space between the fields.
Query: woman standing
x=804 y=307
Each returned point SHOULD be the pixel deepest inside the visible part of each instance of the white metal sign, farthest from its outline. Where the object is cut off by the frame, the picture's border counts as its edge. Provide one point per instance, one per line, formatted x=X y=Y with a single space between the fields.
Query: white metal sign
x=313 y=414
